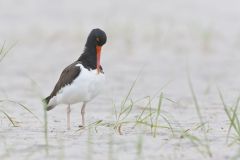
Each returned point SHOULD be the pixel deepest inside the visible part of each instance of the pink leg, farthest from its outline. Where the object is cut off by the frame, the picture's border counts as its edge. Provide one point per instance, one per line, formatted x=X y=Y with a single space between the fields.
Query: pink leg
x=83 y=115
x=68 y=117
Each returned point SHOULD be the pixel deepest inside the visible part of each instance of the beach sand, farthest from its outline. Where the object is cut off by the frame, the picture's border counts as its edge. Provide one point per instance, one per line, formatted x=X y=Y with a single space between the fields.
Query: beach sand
x=156 y=43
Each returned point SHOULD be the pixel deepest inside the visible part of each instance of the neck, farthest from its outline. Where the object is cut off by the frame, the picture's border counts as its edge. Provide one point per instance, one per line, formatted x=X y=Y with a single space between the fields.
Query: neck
x=89 y=57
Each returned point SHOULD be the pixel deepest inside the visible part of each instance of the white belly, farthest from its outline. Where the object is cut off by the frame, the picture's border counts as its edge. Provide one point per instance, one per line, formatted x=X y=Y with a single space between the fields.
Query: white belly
x=84 y=88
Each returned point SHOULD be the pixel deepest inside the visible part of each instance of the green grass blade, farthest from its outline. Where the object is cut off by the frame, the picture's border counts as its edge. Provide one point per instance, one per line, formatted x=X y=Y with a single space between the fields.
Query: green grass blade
x=197 y=107
x=127 y=111
x=228 y=113
x=158 y=113
x=45 y=126
x=129 y=92
x=235 y=119
x=21 y=105
x=4 y=52
x=139 y=147
x=169 y=124
x=9 y=118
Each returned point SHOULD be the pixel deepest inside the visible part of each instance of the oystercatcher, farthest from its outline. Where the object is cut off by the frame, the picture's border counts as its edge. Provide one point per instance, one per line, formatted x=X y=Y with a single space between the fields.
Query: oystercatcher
x=82 y=80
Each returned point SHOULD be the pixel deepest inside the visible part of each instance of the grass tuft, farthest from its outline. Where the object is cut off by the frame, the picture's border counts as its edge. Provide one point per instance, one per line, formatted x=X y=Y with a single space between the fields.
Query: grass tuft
x=232 y=116
x=125 y=109
x=197 y=107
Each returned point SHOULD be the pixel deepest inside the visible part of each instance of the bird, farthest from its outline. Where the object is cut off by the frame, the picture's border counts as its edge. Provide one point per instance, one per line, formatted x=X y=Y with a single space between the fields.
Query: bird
x=82 y=80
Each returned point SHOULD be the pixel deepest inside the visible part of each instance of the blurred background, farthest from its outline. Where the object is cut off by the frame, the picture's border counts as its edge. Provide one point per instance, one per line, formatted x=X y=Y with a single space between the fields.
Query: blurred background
x=159 y=40
x=47 y=35
x=159 y=35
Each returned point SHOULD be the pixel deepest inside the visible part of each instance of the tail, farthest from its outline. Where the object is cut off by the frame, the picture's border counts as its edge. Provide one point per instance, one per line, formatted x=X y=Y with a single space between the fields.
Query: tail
x=47 y=106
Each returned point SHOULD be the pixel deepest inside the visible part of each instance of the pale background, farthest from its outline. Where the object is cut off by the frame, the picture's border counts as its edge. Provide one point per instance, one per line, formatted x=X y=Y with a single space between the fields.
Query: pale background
x=158 y=39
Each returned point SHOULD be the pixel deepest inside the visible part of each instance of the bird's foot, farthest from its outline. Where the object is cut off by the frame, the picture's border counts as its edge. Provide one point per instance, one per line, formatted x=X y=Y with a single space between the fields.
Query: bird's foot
x=81 y=126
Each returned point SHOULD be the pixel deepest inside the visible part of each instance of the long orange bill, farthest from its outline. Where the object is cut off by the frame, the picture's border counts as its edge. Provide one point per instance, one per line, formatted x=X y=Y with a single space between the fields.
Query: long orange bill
x=98 y=48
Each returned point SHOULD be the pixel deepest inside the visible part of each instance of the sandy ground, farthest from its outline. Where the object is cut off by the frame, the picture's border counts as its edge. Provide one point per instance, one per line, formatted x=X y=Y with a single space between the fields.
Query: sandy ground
x=158 y=39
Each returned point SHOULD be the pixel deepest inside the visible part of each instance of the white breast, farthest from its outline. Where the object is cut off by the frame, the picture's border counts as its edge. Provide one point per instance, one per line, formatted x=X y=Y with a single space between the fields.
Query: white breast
x=84 y=88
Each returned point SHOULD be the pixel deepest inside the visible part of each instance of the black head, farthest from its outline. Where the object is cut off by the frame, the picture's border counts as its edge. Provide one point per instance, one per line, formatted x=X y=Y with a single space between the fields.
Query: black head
x=97 y=37
x=92 y=52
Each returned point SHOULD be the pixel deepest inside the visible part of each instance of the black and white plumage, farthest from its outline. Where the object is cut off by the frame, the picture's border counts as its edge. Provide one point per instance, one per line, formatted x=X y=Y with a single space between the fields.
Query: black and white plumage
x=82 y=80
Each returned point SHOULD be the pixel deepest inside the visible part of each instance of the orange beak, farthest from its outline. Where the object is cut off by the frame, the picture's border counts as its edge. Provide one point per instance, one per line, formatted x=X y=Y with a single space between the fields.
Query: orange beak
x=98 y=48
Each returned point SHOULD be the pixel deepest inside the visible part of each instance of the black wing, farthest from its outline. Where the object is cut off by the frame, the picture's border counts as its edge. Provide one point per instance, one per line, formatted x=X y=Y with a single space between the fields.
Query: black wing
x=68 y=75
